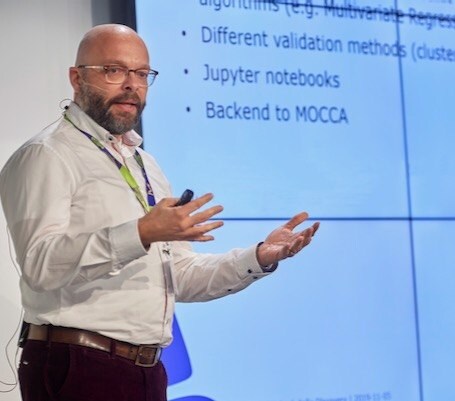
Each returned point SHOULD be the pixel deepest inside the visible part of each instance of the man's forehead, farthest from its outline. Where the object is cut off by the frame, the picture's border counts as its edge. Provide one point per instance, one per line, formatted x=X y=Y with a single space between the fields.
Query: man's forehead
x=112 y=43
x=120 y=55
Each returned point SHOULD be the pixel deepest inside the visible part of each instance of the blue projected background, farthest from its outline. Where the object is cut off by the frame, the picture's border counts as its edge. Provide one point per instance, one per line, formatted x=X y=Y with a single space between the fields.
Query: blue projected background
x=340 y=108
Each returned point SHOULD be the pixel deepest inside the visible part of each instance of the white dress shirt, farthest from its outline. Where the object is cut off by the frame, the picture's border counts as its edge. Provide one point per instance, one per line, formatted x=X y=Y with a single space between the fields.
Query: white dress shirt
x=73 y=221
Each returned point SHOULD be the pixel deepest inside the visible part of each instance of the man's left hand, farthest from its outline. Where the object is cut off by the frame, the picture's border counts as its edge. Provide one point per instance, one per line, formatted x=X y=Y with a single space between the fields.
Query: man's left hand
x=283 y=243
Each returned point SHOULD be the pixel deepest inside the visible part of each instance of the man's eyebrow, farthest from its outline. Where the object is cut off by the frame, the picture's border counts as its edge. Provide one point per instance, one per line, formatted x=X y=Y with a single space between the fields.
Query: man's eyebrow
x=118 y=62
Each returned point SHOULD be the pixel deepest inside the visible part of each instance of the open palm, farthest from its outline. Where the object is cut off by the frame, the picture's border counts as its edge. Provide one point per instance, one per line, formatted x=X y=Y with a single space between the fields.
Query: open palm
x=283 y=242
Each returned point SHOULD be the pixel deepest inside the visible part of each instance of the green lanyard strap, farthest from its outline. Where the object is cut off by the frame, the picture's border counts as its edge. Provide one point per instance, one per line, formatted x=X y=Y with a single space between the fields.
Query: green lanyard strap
x=125 y=172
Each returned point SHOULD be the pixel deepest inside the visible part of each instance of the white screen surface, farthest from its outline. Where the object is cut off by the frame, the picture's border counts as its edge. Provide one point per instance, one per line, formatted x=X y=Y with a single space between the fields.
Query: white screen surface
x=343 y=109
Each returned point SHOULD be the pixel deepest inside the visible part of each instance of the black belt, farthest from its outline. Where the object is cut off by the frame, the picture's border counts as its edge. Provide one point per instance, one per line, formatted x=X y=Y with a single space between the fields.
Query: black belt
x=143 y=355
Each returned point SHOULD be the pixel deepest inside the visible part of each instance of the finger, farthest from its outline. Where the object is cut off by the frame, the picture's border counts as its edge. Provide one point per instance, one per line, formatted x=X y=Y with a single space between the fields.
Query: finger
x=210 y=226
x=205 y=215
x=306 y=233
x=301 y=241
x=296 y=246
x=316 y=227
x=204 y=238
x=296 y=220
x=197 y=203
x=198 y=233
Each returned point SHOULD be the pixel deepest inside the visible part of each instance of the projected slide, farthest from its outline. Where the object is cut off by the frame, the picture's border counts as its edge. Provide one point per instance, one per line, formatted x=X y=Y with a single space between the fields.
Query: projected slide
x=319 y=329
x=429 y=93
x=437 y=307
x=285 y=94
x=340 y=108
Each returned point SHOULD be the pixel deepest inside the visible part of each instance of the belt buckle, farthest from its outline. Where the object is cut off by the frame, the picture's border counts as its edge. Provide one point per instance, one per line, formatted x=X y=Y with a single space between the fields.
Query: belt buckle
x=145 y=353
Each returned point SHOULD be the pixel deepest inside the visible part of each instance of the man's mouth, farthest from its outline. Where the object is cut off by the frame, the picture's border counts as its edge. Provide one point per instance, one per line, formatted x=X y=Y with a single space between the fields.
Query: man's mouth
x=129 y=105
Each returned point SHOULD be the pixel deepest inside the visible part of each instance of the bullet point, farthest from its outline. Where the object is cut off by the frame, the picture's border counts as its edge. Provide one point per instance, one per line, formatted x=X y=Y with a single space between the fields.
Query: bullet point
x=183 y=33
x=185 y=71
x=188 y=109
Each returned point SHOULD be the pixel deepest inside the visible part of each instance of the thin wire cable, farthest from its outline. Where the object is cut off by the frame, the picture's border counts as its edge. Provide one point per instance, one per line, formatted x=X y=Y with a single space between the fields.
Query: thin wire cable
x=12 y=364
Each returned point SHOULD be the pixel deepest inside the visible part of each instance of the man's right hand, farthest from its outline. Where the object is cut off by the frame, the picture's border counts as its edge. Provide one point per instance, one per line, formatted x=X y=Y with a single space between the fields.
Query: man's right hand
x=166 y=222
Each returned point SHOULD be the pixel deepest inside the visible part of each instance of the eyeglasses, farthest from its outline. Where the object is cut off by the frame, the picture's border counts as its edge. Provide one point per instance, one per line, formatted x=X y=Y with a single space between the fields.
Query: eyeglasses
x=117 y=74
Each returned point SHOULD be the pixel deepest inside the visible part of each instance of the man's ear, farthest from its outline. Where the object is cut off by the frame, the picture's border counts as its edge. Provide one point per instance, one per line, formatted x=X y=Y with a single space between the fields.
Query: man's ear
x=75 y=78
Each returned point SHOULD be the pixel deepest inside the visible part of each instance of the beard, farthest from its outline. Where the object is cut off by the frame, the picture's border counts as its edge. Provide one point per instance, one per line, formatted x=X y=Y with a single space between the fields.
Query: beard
x=98 y=108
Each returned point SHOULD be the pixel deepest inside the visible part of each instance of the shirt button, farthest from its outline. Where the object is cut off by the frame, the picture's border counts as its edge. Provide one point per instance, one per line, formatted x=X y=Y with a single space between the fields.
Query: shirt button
x=250 y=271
x=255 y=277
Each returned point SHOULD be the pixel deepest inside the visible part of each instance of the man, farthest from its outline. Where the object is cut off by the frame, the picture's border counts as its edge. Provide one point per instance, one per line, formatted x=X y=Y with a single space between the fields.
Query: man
x=102 y=247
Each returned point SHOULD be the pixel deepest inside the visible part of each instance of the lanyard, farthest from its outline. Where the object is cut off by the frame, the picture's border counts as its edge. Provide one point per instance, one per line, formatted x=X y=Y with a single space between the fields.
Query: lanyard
x=125 y=172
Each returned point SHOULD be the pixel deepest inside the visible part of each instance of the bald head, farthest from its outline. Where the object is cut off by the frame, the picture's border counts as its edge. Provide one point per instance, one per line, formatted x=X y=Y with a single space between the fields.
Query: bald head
x=98 y=42
x=115 y=106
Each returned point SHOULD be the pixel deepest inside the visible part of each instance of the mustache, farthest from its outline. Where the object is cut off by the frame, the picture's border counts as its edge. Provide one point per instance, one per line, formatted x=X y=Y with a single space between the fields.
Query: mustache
x=126 y=97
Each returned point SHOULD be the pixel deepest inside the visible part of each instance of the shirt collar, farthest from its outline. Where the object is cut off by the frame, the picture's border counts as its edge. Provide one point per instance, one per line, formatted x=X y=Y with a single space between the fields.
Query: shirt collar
x=84 y=122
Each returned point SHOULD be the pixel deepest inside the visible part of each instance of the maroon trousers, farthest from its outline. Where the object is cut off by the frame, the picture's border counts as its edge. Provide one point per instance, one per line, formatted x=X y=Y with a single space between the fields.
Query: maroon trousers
x=63 y=372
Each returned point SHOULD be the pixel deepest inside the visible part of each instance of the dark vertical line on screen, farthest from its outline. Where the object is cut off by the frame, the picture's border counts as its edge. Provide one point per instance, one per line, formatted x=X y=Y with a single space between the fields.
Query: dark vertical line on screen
x=410 y=211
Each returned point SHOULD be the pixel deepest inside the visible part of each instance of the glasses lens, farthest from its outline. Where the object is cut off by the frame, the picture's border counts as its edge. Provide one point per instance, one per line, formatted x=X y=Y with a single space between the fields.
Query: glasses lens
x=151 y=75
x=115 y=74
x=144 y=77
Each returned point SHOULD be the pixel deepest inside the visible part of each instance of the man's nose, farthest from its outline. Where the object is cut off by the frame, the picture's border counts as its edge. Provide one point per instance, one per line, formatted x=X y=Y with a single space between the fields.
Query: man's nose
x=130 y=82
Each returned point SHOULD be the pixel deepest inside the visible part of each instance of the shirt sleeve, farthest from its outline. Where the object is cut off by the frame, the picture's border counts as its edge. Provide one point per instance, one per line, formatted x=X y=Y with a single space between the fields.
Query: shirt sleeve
x=36 y=189
x=203 y=277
